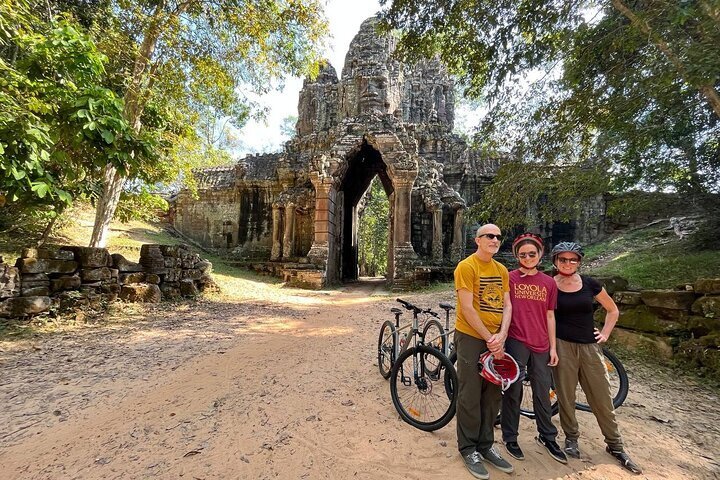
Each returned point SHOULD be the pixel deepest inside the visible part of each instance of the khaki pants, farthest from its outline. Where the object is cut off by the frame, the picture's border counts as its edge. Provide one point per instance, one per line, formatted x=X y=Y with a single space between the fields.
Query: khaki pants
x=478 y=400
x=584 y=363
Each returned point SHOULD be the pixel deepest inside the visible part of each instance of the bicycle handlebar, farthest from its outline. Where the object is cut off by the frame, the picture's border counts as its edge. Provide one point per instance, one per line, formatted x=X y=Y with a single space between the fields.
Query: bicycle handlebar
x=415 y=309
x=409 y=306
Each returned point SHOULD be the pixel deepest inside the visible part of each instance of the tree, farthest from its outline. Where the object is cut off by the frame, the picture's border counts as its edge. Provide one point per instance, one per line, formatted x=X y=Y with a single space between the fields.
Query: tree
x=373 y=231
x=59 y=126
x=627 y=94
x=190 y=53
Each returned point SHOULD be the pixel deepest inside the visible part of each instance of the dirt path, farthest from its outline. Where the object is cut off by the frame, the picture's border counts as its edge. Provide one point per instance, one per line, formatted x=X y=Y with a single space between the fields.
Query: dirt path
x=282 y=384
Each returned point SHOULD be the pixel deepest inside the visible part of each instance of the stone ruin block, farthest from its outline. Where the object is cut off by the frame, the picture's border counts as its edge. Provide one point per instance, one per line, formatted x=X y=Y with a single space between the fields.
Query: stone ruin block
x=173 y=275
x=111 y=290
x=188 y=288
x=66 y=282
x=24 y=306
x=152 y=259
x=48 y=254
x=170 y=290
x=613 y=284
x=9 y=281
x=627 y=298
x=140 y=293
x=26 y=283
x=206 y=283
x=172 y=262
x=708 y=306
x=91 y=257
x=668 y=299
x=123 y=265
x=90 y=275
x=204 y=266
x=134 y=277
x=708 y=286
x=43 y=265
x=191 y=274
x=42 y=291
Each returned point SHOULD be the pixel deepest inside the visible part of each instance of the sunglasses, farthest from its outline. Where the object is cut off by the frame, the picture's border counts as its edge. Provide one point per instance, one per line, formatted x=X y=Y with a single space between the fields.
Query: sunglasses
x=491 y=236
x=571 y=261
x=527 y=255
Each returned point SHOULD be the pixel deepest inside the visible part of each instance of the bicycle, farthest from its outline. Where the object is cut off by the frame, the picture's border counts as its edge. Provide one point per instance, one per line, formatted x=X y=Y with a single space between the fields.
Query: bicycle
x=391 y=340
x=418 y=379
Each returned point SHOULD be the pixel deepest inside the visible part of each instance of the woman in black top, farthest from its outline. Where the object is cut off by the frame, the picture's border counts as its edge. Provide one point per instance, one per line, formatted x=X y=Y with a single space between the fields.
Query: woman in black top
x=580 y=352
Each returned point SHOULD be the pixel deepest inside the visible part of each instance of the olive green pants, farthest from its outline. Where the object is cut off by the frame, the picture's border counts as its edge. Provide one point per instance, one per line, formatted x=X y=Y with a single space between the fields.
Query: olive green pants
x=584 y=363
x=478 y=400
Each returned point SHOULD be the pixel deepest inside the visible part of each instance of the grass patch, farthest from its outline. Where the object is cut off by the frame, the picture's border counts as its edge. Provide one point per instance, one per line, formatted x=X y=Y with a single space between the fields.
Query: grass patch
x=651 y=257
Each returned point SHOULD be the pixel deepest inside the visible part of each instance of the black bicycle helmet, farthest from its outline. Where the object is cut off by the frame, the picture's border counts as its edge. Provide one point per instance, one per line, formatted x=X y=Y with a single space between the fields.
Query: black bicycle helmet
x=565 y=247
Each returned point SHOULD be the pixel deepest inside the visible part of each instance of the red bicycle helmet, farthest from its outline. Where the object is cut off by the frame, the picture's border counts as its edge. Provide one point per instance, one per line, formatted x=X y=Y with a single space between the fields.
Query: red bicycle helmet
x=500 y=371
x=536 y=239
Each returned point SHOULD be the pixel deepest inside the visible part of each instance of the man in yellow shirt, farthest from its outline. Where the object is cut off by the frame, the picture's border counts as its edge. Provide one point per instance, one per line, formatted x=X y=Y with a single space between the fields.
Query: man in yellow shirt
x=483 y=319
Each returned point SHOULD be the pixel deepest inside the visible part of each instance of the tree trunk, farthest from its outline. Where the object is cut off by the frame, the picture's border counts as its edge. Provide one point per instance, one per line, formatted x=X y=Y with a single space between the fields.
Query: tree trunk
x=135 y=101
x=48 y=229
x=107 y=203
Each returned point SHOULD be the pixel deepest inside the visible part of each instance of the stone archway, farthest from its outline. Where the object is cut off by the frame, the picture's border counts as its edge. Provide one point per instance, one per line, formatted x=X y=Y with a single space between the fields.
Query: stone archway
x=362 y=166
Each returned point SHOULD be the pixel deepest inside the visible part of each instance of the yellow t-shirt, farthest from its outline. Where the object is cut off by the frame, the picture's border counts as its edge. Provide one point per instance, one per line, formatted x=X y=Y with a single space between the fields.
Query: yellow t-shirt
x=488 y=282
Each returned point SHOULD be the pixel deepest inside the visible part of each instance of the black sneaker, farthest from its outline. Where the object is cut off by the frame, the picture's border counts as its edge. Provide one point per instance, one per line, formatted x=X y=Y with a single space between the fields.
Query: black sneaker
x=473 y=462
x=553 y=449
x=625 y=460
x=514 y=450
x=571 y=448
x=496 y=460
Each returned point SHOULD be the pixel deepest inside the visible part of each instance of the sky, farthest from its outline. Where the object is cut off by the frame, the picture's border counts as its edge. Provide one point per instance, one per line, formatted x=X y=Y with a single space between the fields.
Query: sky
x=344 y=17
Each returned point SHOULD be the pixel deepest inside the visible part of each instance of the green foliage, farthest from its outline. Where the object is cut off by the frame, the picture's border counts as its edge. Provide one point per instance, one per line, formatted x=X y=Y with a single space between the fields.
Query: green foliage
x=373 y=232
x=623 y=88
x=140 y=204
x=58 y=125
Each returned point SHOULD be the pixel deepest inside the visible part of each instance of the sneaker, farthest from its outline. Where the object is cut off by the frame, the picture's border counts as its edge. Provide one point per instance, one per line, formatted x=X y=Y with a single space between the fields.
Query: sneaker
x=553 y=448
x=473 y=462
x=496 y=460
x=514 y=450
x=571 y=448
x=625 y=460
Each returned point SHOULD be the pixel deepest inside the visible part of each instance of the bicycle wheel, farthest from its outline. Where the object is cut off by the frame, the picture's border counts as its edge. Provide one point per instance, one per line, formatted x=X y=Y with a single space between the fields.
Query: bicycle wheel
x=526 y=405
x=386 y=348
x=433 y=336
x=619 y=383
x=420 y=396
x=447 y=378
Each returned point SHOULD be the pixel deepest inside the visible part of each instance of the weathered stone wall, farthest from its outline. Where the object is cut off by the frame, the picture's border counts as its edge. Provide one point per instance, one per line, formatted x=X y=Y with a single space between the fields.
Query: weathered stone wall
x=45 y=277
x=683 y=322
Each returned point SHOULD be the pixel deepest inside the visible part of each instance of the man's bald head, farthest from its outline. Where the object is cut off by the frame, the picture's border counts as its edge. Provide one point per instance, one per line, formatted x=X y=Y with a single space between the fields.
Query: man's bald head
x=488 y=228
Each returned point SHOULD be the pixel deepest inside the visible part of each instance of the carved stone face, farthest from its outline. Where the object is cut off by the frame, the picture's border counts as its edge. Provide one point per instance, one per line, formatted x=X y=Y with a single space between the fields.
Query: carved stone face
x=372 y=94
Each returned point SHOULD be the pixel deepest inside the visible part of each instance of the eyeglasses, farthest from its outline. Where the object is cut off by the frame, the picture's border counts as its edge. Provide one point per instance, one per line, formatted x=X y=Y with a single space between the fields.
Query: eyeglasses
x=491 y=236
x=571 y=261
x=527 y=255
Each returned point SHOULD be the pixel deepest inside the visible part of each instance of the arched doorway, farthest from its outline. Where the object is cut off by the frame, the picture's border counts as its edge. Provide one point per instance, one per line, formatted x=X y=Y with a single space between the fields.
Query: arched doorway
x=362 y=166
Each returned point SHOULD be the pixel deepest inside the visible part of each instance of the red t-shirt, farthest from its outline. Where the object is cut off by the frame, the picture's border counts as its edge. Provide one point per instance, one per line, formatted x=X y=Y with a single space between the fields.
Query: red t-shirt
x=531 y=296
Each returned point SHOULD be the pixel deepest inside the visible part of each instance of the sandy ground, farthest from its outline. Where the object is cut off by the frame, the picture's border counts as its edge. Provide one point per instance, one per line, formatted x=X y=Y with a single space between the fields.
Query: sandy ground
x=283 y=384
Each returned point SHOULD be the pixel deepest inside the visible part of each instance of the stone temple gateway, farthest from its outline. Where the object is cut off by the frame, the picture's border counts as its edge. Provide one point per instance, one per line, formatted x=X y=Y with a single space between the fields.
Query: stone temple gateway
x=296 y=212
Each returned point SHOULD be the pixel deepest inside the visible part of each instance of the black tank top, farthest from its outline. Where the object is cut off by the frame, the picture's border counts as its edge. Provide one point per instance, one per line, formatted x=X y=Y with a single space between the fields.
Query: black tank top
x=574 y=313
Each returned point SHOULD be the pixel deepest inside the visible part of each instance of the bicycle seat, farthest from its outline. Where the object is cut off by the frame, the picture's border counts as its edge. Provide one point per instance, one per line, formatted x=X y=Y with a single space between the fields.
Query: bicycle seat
x=395 y=310
x=446 y=306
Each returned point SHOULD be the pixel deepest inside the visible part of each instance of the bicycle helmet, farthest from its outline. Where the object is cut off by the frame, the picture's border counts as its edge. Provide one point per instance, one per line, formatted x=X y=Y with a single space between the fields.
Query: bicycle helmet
x=500 y=371
x=524 y=238
x=564 y=247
